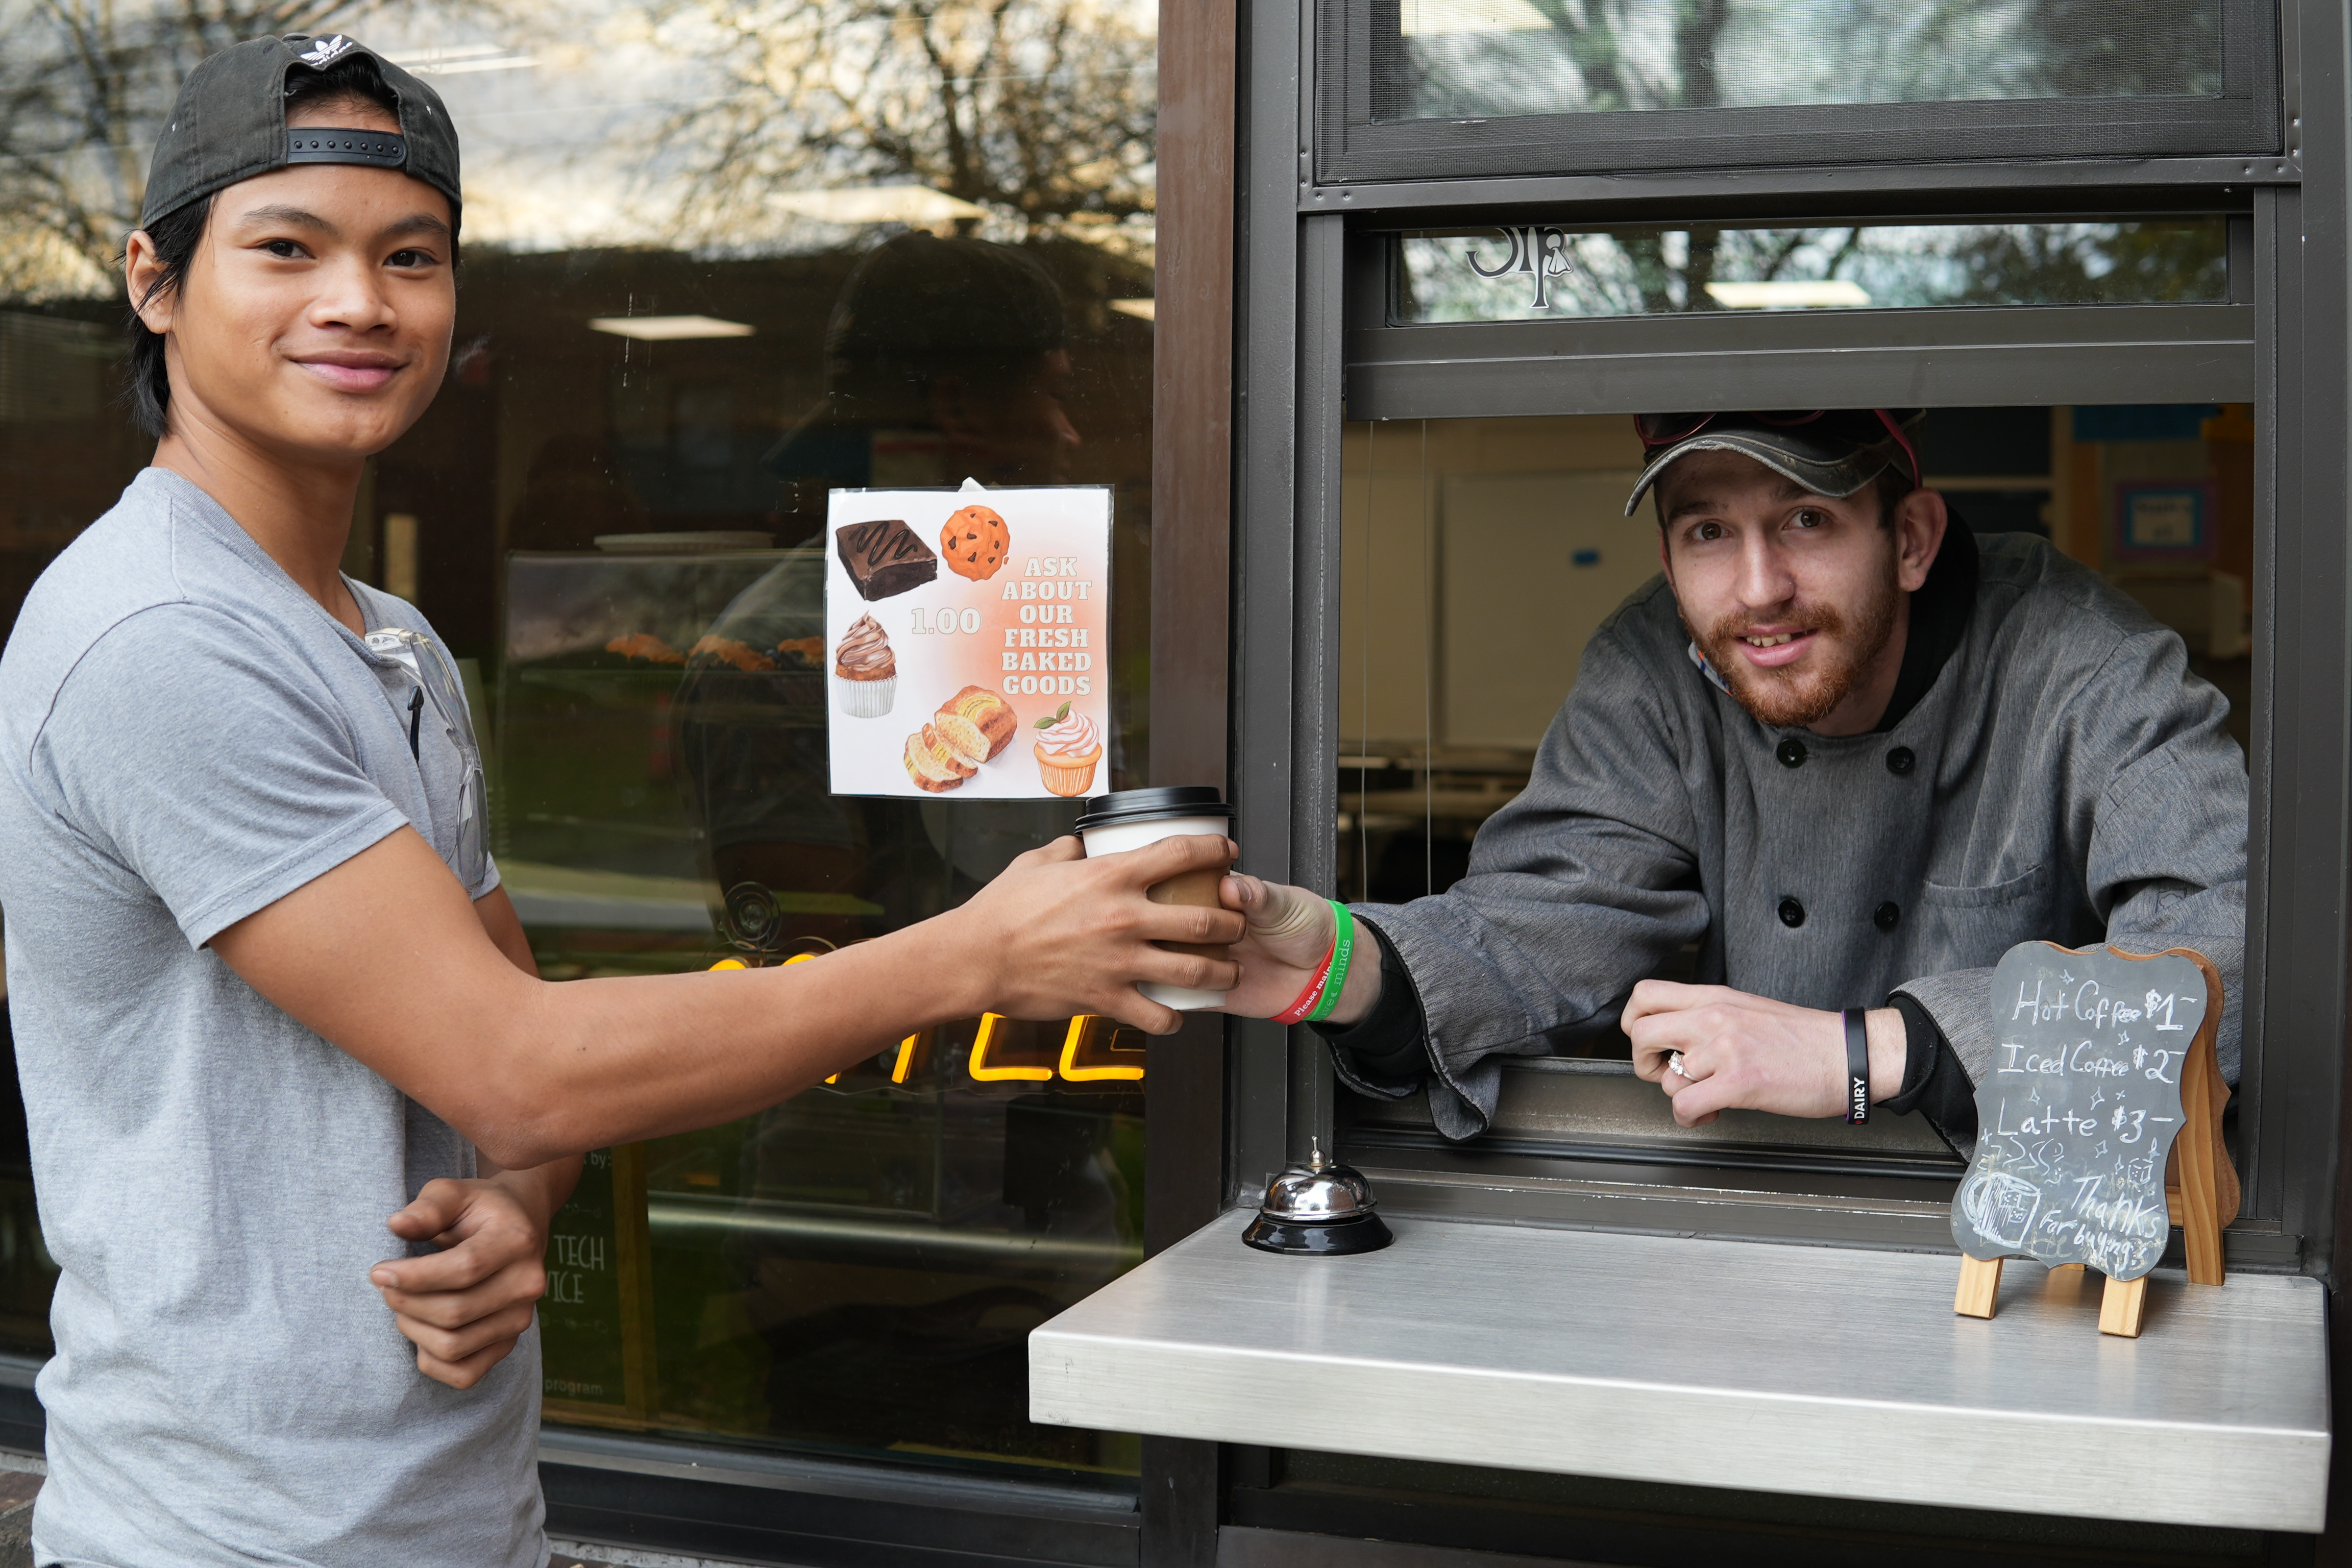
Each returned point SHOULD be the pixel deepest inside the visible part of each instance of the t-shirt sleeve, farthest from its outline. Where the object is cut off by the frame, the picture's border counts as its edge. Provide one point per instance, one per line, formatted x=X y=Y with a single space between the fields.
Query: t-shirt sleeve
x=212 y=766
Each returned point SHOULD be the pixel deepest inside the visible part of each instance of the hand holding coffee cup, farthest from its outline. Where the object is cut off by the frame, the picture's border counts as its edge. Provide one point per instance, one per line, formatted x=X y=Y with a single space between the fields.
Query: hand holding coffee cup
x=1058 y=934
x=1291 y=934
x=1131 y=819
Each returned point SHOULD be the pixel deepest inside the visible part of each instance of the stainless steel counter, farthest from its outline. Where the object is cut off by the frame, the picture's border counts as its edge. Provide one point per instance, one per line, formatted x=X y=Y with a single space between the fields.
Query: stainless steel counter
x=1744 y=1365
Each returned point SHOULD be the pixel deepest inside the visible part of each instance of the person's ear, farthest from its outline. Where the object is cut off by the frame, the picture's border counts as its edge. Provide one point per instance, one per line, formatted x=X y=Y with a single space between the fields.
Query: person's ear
x=1920 y=518
x=141 y=267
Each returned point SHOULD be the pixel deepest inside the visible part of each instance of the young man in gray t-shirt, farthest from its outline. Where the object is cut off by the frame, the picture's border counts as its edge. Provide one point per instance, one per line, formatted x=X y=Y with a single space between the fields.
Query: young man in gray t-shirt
x=265 y=986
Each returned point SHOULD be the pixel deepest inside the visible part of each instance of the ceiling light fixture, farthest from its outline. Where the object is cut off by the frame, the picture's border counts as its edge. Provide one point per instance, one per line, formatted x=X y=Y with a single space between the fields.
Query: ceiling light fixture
x=669 y=329
x=1785 y=296
x=917 y=206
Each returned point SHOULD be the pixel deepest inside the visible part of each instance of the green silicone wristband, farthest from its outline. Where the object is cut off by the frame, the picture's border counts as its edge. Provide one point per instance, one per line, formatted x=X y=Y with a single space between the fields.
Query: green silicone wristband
x=1338 y=975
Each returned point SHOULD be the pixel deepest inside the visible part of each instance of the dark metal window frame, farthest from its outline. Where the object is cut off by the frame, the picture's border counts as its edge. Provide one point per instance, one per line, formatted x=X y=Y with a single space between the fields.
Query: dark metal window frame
x=2244 y=119
x=1304 y=367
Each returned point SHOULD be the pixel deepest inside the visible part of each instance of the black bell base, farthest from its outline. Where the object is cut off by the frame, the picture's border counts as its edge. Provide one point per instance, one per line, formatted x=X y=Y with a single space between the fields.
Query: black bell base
x=1333 y=1238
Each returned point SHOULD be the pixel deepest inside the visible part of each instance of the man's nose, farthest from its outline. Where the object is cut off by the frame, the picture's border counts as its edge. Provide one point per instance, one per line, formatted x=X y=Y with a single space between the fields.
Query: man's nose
x=1764 y=577
x=351 y=294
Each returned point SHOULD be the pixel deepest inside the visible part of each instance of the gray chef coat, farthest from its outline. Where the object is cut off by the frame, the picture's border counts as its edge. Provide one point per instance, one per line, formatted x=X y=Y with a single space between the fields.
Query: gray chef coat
x=2069 y=780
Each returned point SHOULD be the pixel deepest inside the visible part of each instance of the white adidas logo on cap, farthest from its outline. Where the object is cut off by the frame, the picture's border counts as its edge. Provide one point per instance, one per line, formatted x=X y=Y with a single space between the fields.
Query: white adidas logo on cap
x=324 y=50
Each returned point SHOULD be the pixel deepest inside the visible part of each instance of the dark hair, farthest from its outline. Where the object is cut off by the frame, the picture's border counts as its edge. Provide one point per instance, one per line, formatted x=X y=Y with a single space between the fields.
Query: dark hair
x=351 y=83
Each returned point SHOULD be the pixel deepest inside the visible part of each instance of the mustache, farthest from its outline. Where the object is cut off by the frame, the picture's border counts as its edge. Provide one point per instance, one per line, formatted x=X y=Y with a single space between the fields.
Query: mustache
x=1786 y=699
x=1728 y=630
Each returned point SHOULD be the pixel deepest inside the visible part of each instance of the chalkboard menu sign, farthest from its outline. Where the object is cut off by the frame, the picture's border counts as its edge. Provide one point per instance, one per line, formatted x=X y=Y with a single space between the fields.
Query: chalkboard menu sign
x=2075 y=1120
x=595 y=1322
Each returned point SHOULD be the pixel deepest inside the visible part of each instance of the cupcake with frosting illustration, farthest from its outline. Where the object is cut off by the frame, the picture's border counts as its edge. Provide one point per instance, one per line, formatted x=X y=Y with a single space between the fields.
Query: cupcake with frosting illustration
x=864 y=671
x=1067 y=751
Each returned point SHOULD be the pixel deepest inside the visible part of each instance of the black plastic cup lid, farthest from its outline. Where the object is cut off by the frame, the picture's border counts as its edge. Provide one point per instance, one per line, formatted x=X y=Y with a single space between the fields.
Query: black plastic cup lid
x=1155 y=805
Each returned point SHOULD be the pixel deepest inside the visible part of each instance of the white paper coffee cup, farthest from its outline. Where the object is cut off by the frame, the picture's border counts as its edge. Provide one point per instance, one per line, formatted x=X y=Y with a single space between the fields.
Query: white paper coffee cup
x=1130 y=819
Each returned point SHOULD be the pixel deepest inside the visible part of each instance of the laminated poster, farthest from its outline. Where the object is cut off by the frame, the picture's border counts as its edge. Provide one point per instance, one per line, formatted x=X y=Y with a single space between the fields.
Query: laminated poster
x=967 y=641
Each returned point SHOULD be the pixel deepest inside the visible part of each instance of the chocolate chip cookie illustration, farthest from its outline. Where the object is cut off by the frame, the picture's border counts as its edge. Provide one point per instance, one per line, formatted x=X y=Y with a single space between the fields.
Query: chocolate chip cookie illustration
x=974 y=543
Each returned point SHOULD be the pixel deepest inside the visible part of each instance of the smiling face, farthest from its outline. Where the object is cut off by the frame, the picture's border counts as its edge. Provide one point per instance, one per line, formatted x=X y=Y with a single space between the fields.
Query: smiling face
x=1796 y=599
x=313 y=321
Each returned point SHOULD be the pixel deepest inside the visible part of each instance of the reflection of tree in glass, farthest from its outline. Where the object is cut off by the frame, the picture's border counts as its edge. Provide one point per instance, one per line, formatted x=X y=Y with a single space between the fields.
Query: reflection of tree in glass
x=1657 y=272
x=84 y=85
x=1535 y=56
x=2091 y=263
x=1042 y=111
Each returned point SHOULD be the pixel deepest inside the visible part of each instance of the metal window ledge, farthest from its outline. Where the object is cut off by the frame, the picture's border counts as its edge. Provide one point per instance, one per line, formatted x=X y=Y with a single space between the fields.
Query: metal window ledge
x=1743 y=1365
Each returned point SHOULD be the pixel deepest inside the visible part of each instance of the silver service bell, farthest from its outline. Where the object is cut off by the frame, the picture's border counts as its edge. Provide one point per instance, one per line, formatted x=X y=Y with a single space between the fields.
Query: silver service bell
x=1318 y=1207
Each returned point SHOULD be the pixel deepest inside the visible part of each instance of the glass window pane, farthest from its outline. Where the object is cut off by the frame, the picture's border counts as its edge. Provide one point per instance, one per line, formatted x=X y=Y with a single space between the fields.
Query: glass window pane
x=1541 y=271
x=1471 y=59
x=719 y=260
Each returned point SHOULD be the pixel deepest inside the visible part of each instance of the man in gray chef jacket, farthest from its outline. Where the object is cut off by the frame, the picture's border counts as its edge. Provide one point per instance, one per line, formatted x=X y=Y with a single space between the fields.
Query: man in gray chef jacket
x=1852 y=752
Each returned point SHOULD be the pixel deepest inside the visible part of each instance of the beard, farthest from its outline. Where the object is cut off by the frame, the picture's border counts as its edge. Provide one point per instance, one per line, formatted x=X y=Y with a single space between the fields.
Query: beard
x=1844 y=648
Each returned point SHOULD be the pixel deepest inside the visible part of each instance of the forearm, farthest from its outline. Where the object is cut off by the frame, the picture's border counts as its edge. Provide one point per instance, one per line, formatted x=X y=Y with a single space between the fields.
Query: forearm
x=384 y=957
x=591 y=1063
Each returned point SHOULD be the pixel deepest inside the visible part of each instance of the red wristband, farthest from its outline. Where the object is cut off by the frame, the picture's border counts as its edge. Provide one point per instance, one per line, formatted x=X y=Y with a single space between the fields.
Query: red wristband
x=1297 y=1012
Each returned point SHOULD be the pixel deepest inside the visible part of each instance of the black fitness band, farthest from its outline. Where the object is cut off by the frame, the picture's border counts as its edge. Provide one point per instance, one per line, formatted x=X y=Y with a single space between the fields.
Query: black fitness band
x=1858 y=1066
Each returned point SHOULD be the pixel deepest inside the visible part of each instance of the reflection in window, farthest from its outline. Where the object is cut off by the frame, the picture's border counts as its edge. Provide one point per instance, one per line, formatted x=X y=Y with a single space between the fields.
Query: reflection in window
x=718 y=259
x=1536 y=272
x=1461 y=58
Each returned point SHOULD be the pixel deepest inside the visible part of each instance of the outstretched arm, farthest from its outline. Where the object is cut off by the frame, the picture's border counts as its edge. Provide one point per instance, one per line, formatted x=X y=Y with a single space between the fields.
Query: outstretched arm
x=385 y=957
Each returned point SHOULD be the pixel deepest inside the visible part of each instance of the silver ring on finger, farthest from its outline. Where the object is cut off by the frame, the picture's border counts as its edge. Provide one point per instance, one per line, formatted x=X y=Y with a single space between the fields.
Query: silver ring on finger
x=1674 y=1065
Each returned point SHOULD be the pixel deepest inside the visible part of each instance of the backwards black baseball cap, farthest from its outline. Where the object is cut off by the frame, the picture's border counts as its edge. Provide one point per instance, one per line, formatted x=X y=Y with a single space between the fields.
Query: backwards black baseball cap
x=1831 y=451
x=229 y=124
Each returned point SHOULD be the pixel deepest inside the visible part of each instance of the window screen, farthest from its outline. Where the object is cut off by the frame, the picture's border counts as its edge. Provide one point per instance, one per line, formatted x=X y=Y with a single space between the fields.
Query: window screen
x=1459 y=58
x=1417 y=88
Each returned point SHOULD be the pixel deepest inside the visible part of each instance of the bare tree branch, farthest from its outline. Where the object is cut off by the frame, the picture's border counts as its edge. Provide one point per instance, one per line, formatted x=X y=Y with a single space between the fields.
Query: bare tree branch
x=1043 y=110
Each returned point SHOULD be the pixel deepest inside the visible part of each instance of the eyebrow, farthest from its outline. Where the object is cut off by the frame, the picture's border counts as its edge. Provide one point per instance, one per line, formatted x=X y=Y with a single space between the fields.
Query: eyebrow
x=279 y=212
x=302 y=217
x=1789 y=490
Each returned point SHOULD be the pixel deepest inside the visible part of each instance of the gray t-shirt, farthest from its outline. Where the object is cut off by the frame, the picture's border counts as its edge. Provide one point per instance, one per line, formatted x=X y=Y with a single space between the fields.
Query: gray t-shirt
x=187 y=739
